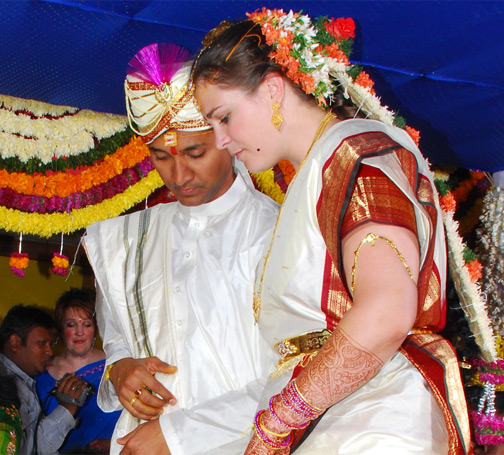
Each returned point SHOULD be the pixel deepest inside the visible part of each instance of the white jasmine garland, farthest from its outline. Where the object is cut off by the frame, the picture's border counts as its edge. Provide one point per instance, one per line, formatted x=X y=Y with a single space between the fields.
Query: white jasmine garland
x=38 y=108
x=472 y=300
x=52 y=131
x=490 y=250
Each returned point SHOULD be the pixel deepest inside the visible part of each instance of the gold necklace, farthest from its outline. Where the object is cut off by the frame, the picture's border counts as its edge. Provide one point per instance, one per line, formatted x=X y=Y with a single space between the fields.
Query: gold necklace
x=257 y=293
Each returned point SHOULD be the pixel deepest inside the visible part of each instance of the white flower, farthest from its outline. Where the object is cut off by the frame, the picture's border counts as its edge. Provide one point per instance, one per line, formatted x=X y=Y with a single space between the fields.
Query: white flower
x=56 y=131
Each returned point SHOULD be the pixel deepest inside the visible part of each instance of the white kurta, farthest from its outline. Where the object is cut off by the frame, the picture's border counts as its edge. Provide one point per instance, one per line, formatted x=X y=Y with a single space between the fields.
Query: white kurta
x=177 y=282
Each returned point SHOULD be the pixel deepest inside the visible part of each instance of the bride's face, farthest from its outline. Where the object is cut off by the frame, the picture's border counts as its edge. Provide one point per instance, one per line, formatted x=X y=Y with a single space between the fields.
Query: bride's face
x=242 y=123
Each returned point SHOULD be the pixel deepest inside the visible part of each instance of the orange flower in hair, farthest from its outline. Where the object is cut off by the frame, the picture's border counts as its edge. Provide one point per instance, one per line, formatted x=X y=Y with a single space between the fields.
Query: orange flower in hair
x=307 y=82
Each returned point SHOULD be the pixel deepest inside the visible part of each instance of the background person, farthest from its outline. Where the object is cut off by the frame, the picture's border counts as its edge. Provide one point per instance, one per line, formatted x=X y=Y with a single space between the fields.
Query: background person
x=76 y=323
x=351 y=290
x=25 y=341
x=175 y=281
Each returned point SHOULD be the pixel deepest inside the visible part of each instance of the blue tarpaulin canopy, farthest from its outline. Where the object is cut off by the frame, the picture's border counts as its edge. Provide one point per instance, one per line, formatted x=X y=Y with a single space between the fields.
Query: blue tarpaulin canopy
x=439 y=64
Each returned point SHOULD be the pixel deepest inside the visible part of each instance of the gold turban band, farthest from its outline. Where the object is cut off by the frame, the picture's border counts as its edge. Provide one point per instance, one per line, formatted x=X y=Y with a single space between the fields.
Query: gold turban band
x=152 y=109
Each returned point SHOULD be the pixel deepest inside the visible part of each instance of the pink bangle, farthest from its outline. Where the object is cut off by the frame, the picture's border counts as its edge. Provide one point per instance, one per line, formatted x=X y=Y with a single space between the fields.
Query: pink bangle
x=280 y=421
x=262 y=436
x=300 y=395
x=296 y=402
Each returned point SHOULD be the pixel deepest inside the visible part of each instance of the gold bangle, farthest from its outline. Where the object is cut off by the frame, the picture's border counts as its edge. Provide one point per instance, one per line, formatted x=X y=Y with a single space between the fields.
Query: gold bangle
x=278 y=435
x=303 y=398
x=107 y=372
x=371 y=238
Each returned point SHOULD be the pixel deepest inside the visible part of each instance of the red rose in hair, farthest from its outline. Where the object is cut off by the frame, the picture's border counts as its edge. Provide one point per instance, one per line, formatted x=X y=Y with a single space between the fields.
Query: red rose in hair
x=341 y=28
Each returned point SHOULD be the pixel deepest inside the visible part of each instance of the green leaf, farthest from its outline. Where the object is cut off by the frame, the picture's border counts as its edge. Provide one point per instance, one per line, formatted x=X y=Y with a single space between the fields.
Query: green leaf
x=354 y=70
x=469 y=255
x=400 y=121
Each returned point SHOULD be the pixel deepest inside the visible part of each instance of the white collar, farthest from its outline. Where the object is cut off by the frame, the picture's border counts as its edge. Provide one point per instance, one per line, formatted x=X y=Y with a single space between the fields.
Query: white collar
x=220 y=205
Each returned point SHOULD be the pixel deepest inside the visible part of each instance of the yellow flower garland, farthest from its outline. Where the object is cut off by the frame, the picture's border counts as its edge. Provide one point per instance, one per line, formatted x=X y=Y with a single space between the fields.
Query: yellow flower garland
x=267 y=185
x=47 y=225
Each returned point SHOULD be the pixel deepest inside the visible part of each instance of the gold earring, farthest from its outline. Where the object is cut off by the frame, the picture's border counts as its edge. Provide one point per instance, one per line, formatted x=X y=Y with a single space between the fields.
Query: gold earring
x=277 y=117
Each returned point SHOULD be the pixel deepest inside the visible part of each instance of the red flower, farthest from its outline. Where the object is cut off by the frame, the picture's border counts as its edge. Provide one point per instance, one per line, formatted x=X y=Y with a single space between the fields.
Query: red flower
x=341 y=28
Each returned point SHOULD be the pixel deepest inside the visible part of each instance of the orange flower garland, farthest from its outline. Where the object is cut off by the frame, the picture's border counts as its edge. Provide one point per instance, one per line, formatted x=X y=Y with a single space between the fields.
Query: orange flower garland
x=64 y=184
x=364 y=80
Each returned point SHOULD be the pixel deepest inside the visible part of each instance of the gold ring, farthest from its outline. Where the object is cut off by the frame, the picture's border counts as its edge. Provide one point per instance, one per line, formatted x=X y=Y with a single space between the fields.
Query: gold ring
x=132 y=401
x=138 y=392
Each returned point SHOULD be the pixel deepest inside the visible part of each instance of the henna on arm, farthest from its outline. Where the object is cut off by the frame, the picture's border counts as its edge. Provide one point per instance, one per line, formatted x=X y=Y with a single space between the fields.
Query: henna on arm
x=341 y=367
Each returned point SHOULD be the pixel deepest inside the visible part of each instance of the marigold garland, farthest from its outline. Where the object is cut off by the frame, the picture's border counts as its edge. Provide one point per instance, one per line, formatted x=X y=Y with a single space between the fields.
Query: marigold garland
x=47 y=225
x=265 y=182
x=95 y=195
x=63 y=184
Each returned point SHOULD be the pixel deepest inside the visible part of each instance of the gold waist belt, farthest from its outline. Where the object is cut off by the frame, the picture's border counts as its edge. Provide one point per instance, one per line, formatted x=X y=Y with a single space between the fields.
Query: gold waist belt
x=302 y=344
x=300 y=348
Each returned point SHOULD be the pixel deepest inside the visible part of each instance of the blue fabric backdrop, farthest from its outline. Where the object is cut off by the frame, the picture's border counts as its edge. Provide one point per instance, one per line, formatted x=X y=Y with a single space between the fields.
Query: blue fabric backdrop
x=438 y=63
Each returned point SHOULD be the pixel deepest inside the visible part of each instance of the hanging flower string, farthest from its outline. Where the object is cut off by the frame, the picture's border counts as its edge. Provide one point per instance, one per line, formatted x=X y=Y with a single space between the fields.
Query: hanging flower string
x=60 y=261
x=60 y=264
x=489 y=427
x=19 y=261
